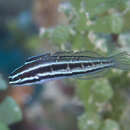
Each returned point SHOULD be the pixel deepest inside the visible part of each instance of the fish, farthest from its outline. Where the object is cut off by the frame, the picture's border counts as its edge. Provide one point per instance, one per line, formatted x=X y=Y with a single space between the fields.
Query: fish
x=66 y=64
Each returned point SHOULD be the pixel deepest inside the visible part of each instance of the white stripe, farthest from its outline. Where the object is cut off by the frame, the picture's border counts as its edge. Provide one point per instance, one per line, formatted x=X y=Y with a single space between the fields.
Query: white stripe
x=60 y=72
x=72 y=71
x=54 y=63
x=28 y=62
x=21 y=80
x=12 y=82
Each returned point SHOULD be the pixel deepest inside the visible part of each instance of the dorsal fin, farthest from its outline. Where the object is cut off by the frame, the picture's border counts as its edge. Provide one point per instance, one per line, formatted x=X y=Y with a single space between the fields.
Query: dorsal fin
x=62 y=55
x=35 y=58
x=87 y=53
x=76 y=53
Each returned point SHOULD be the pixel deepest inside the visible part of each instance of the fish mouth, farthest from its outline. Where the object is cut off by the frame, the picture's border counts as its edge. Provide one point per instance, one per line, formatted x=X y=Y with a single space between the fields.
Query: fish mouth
x=10 y=80
x=14 y=83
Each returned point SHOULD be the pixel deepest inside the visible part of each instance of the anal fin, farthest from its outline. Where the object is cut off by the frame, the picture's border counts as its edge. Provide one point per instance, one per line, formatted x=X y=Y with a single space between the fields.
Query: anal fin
x=98 y=74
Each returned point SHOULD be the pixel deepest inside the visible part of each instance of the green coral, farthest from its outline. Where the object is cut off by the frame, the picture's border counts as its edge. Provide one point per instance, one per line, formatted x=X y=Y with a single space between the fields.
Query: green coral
x=110 y=125
x=89 y=121
x=10 y=111
x=3 y=126
x=101 y=90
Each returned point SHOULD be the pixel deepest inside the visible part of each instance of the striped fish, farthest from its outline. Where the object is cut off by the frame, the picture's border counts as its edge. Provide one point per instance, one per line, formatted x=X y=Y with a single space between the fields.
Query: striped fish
x=59 y=65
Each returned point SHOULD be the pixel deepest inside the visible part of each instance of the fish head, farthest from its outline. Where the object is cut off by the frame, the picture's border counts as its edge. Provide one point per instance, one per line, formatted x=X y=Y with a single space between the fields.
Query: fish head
x=15 y=77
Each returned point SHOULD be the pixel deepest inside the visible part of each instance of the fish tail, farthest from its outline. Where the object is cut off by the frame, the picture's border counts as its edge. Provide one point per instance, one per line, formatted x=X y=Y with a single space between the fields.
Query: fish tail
x=121 y=60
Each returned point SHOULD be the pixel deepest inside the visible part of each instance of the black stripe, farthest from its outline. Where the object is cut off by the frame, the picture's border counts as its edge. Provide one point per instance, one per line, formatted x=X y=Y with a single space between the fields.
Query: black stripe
x=56 y=67
x=61 y=75
x=34 y=72
x=25 y=67
x=32 y=64
x=47 y=60
x=73 y=66
x=41 y=70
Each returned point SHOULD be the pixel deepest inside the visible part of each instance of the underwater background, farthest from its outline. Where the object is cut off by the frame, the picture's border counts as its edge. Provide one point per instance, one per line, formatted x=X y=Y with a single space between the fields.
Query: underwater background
x=34 y=27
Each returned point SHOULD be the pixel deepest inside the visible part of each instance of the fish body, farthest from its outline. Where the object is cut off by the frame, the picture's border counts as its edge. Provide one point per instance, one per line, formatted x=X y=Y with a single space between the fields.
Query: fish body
x=60 y=65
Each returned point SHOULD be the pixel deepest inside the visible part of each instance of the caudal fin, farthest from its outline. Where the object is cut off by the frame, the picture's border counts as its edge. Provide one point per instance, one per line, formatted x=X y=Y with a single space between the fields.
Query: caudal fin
x=122 y=60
